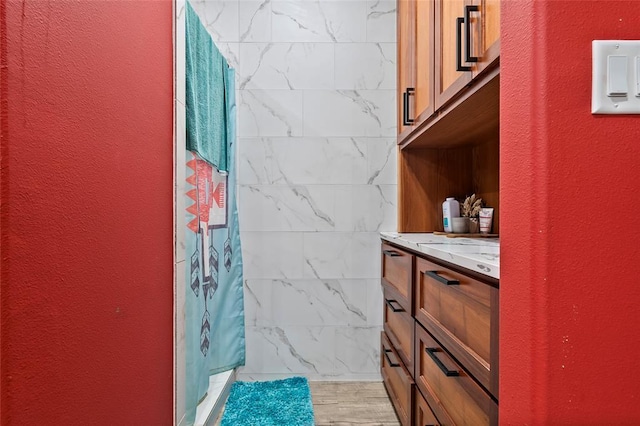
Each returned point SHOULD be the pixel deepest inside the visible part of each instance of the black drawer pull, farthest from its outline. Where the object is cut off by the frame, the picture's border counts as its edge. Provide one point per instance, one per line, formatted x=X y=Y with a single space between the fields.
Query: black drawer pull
x=432 y=354
x=443 y=280
x=391 y=363
x=391 y=253
x=394 y=309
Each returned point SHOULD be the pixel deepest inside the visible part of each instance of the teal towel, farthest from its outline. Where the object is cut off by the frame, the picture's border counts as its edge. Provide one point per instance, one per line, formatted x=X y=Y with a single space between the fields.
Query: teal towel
x=206 y=71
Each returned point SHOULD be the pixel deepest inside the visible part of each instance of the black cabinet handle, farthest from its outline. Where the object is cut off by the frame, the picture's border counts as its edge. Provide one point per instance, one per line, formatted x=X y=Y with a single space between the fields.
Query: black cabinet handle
x=391 y=253
x=405 y=111
x=467 y=28
x=393 y=308
x=440 y=278
x=432 y=354
x=391 y=363
x=459 y=66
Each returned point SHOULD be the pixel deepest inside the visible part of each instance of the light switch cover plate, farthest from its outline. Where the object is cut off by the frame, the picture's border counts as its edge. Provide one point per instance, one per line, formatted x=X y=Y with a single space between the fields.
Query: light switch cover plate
x=614 y=89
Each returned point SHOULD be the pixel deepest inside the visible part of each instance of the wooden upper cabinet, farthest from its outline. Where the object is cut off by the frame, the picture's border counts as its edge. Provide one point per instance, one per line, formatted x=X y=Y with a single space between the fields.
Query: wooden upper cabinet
x=442 y=46
x=486 y=33
x=424 y=56
x=453 y=72
x=406 y=40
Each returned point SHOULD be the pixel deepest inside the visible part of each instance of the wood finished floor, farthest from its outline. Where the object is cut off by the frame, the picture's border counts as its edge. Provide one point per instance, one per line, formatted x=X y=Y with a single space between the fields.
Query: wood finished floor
x=351 y=403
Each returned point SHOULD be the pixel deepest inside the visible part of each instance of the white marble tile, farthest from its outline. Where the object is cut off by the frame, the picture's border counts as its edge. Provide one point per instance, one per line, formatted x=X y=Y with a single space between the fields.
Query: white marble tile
x=366 y=208
x=303 y=161
x=272 y=255
x=254 y=361
x=255 y=21
x=257 y=302
x=362 y=377
x=219 y=17
x=365 y=66
x=231 y=52
x=180 y=51
x=357 y=349
x=341 y=255
x=287 y=66
x=319 y=21
x=287 y=208
x=270 y=113
x=349 y=113
x=381 y=21
x=319 y=302
x=245 y=376
x=381 y=104
x=374 y=302
x=382 y=160
x=253 y=161
x=290 y=350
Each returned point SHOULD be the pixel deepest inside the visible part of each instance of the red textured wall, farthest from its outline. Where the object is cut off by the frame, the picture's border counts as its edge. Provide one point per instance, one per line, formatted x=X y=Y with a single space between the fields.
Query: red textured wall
x=570 y=292
x=87 y=308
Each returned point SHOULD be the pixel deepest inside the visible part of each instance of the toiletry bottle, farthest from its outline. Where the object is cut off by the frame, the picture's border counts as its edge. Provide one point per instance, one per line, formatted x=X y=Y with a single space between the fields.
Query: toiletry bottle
x=450 y=208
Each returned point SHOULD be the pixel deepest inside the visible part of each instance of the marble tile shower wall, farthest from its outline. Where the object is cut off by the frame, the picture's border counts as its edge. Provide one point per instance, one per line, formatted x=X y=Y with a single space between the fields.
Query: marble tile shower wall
x=317 y=177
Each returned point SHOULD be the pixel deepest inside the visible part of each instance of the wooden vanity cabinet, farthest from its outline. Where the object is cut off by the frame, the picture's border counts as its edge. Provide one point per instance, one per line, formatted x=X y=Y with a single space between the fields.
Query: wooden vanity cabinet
x=440 y=355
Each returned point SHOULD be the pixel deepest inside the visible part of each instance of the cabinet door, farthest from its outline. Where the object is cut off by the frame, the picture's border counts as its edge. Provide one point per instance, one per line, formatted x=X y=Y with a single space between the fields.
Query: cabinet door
x=462 y=313
x=450 y=43
x=398 y=325
x=397 y=380
x=452 y=394
x=486 y=33
x=405 y=48
x=424 y=54
x=423 y=416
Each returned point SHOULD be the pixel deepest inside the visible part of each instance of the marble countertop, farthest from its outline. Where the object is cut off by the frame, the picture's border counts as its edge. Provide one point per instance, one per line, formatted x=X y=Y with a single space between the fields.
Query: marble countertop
x=477 y=254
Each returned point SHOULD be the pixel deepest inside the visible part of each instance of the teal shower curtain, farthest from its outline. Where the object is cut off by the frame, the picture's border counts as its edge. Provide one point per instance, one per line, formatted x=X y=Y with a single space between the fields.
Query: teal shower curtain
x=214 y=322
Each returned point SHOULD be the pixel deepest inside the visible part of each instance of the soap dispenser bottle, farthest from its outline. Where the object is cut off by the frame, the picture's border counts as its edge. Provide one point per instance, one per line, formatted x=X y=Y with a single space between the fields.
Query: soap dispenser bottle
x=450 y=209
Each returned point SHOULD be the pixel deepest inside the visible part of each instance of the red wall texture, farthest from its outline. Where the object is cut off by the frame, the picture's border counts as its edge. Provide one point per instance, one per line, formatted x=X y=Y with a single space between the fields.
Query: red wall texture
x=87 y=199
x=569 y=246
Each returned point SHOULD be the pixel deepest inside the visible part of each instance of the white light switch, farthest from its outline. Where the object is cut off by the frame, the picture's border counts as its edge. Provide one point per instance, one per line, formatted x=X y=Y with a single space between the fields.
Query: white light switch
x=617 y=76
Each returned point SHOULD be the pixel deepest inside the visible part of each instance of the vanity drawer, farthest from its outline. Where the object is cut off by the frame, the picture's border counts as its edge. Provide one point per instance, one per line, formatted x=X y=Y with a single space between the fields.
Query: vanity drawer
x=397 y=380
x=398 y=325
x=397 y=272
x=423 y=416
x=462 y=313
x=453 y=395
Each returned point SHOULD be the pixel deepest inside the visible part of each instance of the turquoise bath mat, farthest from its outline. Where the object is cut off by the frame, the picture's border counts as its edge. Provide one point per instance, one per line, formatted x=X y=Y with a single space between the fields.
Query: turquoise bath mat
x=276 y=403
